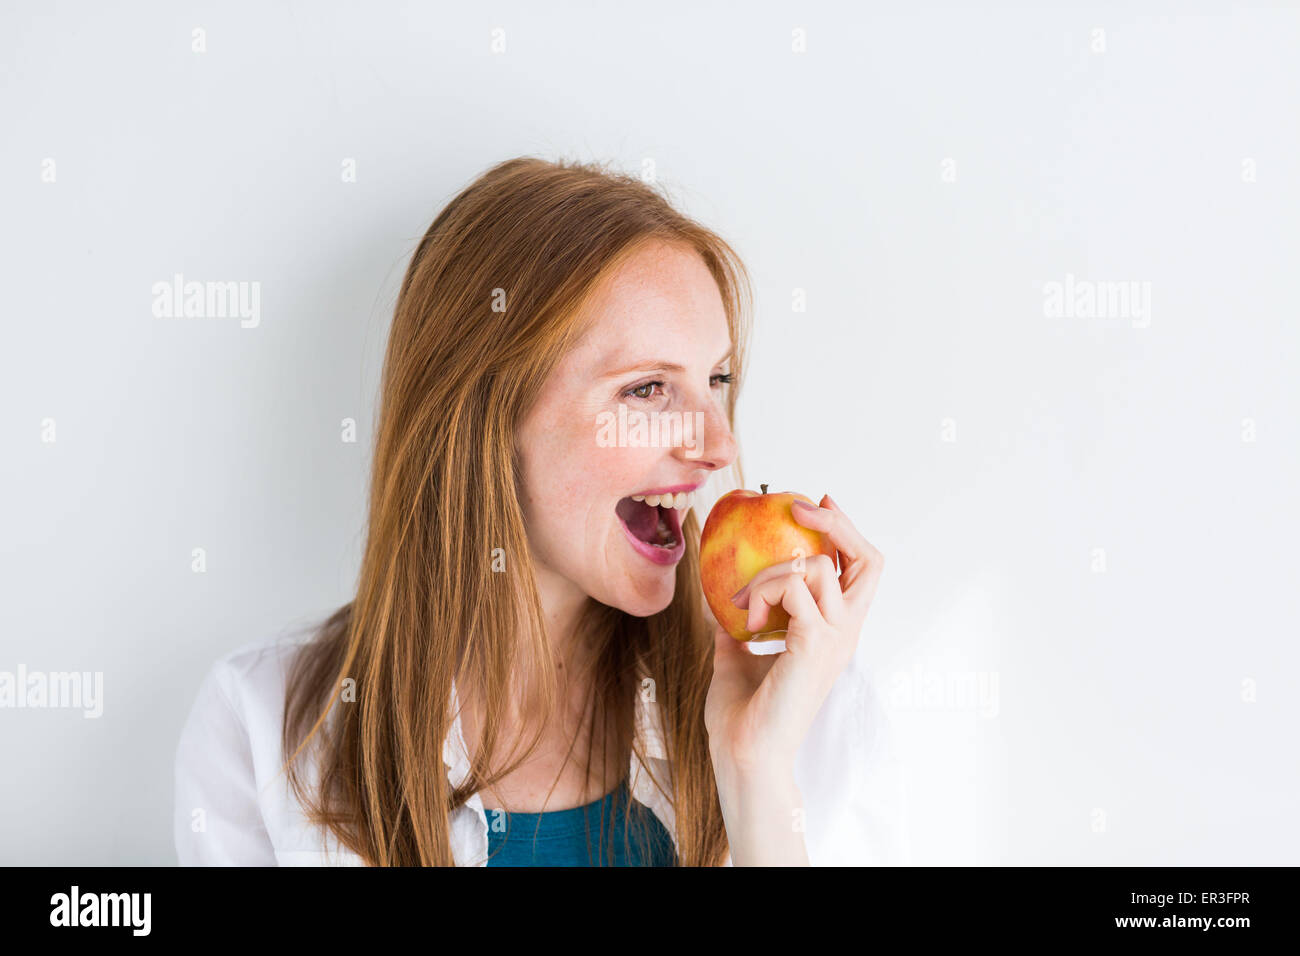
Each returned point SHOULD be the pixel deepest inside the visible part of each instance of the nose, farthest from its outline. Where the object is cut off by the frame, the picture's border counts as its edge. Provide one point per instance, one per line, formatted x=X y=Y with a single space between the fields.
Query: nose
x=712 y=445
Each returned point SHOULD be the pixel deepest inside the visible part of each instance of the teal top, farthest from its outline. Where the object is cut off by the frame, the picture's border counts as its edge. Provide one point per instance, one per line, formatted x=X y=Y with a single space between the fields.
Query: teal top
x=561 y=837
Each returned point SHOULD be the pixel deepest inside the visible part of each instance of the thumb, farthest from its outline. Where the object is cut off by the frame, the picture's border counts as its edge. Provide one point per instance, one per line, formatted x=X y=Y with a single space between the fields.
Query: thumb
x=725 y=647
x=732 y=657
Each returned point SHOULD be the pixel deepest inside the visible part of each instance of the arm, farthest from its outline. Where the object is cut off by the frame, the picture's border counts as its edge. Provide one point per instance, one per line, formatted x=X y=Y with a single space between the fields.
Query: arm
x=762 y=811
x=760 y=708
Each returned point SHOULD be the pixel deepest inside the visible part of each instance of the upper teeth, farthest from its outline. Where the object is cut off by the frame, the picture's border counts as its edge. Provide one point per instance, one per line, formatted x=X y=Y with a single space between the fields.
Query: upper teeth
x=683 y=499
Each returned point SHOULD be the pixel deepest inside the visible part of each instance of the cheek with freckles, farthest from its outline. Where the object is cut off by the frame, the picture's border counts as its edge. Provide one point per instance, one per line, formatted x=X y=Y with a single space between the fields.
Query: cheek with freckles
x=573 y=484
x=565 y=472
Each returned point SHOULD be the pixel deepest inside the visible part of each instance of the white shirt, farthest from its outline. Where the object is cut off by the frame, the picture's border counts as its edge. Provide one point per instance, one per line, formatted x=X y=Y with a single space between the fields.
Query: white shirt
x=233 y=805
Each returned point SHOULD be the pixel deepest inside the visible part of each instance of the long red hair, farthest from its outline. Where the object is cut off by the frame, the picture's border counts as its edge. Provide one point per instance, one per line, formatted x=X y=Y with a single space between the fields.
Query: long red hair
x=457 y=380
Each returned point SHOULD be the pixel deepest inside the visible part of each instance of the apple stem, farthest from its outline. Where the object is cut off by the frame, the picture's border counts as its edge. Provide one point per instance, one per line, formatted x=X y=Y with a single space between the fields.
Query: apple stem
x=763 y=488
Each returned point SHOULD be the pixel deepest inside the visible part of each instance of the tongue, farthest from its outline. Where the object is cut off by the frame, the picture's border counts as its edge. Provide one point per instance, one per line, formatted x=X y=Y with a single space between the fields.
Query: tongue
x=641 y=519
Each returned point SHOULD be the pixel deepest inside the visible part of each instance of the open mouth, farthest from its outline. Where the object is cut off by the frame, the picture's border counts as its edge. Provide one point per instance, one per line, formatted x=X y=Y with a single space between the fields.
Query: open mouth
x=655 y=531
x=656 y=525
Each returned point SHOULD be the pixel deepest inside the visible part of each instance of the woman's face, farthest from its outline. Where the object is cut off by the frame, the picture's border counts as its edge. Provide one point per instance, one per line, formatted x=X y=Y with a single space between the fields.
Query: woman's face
x=658 y=347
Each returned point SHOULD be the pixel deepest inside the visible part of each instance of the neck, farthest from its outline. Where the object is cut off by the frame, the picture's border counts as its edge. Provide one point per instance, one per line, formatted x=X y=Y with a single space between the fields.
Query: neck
x=562 y=605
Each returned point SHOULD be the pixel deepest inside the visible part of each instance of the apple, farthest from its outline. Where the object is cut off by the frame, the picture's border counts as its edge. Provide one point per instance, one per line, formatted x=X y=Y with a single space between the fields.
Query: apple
x=747 y=531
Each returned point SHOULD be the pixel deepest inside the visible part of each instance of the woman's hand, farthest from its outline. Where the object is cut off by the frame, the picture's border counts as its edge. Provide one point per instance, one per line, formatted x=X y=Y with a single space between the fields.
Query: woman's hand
x=759 y=707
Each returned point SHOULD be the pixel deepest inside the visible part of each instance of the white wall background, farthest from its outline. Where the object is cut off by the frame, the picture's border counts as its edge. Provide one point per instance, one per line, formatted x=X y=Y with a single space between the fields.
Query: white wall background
x=1119 y=725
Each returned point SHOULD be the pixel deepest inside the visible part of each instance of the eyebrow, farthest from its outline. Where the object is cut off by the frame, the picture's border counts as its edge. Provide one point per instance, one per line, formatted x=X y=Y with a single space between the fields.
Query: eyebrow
x=659 y=365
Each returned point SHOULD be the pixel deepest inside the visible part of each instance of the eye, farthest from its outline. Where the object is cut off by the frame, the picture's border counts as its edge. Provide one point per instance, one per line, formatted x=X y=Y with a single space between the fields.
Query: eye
x=635 y=392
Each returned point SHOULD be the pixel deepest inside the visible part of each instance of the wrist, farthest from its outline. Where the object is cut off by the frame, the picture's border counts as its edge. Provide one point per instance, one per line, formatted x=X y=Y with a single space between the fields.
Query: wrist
x=767 y=767
x=764 y=815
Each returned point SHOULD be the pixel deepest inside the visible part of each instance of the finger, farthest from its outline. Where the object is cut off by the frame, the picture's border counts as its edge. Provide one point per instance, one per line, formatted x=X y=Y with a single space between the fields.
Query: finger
x=818 y=571
x=790 y=592
x=824 y=585
x=833 y=523
x=860 y=561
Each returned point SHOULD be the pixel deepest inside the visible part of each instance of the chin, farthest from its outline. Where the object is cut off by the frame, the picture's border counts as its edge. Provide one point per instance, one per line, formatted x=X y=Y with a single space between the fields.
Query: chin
x=631 y=601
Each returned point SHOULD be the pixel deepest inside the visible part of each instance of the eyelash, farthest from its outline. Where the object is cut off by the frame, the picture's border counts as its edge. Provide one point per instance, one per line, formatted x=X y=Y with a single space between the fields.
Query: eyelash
x=723 y=379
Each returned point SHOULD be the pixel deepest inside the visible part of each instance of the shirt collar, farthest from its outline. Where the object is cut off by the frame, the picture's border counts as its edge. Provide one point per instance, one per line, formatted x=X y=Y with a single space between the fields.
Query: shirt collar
x=649 y=728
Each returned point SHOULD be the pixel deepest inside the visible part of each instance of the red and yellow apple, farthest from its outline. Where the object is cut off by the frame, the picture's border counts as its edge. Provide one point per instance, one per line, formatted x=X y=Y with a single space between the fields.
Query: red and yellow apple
x=747 y=531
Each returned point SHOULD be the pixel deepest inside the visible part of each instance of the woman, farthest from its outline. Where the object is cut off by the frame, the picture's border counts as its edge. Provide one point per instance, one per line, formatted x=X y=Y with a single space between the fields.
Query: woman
x=525 y=656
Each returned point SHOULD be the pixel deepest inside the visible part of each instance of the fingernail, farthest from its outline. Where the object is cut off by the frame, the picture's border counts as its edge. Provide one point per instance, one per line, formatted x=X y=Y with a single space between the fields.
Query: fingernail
x=740 y=592
x=805 y=504
x=743 y=602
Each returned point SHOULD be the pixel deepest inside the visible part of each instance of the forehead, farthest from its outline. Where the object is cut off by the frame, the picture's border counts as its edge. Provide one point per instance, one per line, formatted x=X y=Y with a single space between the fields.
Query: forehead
x=662 y=299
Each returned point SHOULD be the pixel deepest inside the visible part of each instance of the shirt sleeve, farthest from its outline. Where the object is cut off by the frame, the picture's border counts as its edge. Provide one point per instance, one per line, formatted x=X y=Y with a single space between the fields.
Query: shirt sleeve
x=879 y=801
x=852 y=782
x=216 y=819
